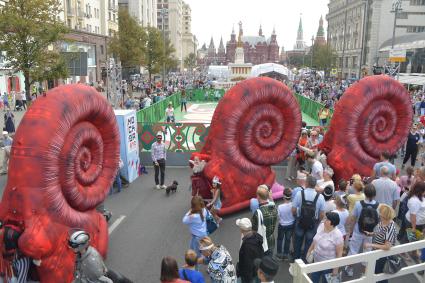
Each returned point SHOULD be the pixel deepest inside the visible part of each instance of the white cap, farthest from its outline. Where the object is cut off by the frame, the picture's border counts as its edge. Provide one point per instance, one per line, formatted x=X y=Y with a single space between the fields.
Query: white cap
x=159 y=134
x=216 y=180
x=5 y=132
x=301 y=176
x=244 y=223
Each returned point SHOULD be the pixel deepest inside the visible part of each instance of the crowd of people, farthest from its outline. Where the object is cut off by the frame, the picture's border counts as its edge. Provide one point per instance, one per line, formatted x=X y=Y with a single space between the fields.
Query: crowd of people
x=317 y=219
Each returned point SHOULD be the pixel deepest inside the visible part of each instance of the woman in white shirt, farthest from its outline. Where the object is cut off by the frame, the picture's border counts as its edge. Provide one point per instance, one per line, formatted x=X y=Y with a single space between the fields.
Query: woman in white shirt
x=327 y=244
x=415 y=216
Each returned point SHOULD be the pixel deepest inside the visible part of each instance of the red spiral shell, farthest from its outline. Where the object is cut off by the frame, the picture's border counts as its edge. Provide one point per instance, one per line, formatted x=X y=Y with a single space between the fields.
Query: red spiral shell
x=374 y=115
x=256 y=124
x=64 y=158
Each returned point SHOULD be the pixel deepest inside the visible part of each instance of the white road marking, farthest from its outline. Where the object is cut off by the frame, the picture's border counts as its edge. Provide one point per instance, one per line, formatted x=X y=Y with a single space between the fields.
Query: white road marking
x=116 y=223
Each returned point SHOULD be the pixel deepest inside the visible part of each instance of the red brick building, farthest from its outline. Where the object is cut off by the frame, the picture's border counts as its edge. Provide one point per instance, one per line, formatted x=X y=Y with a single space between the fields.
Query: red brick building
x=257 y=49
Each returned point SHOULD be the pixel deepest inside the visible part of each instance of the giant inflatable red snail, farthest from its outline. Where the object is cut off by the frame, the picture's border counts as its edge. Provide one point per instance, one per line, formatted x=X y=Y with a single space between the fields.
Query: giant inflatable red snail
x=63 y=161
x=257 y=124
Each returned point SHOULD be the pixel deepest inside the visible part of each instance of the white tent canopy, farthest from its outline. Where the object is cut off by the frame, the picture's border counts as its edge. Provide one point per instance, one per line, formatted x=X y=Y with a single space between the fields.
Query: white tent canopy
x=259 y=70
x=412 y=79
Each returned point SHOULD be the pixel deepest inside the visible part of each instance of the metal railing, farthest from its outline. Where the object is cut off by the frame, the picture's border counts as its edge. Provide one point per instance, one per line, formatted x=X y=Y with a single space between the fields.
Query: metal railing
x=301 y=270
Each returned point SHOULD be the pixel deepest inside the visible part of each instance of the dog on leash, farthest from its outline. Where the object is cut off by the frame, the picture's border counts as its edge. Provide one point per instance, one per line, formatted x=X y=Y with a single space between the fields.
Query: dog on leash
x=172 y=188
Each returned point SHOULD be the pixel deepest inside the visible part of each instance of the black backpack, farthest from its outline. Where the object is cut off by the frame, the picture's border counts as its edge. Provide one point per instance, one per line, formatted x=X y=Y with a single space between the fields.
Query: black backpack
x=368 y=217
x=308 y=212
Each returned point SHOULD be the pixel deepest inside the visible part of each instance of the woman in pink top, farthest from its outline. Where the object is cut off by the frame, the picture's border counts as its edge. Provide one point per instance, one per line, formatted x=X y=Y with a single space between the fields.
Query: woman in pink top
x=327 y=244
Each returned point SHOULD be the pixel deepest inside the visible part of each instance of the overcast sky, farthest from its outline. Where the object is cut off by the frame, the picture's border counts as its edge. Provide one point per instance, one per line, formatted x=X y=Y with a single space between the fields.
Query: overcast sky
x=216 y=17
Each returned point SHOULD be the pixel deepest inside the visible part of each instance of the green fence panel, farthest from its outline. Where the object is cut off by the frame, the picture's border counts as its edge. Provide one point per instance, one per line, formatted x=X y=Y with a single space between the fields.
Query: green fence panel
x=310 y=107
x=156 y=112
x=201 y=95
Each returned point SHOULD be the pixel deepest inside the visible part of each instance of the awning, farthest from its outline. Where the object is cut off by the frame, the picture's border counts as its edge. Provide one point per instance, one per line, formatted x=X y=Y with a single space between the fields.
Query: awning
x=412 y=79
x=262 y=69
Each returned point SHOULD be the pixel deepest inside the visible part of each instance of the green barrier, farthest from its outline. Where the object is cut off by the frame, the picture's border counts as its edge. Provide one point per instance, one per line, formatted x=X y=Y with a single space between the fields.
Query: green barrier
x=156 y=112
x=310 y=107
x=201 y=95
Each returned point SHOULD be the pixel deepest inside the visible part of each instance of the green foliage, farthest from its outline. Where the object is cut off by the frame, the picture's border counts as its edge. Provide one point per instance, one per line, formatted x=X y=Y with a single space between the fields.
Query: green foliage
x=168 y=60
x=190 y=61
x=324 y=57
x=28 y=31
x=154 y=50
x=129 y=43
x=297 y=60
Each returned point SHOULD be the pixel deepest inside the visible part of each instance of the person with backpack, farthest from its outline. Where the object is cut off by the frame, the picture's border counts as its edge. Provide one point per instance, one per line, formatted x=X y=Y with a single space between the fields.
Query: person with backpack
x=264 y=219
x=365 y=218
x=308 y=208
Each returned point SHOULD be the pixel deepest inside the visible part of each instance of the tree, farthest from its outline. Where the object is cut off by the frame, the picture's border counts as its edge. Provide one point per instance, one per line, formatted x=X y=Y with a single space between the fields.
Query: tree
x=190 y=61
x=128 y=44
x=28 y=29
x=153 y=51
x=324 y=57
x=297 y=60
x=169 y=61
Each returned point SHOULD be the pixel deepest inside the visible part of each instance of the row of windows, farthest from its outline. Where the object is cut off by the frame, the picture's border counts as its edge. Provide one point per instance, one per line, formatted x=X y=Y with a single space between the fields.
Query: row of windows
x=415 y=29
x=348 y=62
x=417 y=2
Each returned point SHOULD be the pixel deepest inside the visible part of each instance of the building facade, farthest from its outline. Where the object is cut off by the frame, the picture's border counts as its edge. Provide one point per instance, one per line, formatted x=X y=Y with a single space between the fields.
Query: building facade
x=357 y=29
x=91 y=23
x=257 y=49
x=188 y=39
x=144 y=11
x=171 y=23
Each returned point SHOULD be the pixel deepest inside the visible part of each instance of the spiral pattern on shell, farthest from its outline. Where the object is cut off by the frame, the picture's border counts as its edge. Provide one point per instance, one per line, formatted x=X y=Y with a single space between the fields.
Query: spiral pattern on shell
x=374 y=115
x=260 y=122
x=82 y=158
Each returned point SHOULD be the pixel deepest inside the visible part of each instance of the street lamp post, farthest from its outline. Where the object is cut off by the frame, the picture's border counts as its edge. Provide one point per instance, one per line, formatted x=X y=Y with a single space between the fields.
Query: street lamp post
x=396 y=8
x=311 y=53
x=164 y=12
x=364 y=30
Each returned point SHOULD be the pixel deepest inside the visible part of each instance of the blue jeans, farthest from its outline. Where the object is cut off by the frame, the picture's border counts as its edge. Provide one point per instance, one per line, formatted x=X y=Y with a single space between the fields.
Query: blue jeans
x=194 y=244
x=284 y=233
x=118 y=182
x=300 y=234
x=315 y=276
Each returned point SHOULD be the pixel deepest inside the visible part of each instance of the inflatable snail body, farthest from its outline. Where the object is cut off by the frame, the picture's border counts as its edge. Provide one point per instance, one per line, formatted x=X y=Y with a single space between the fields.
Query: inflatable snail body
x=255 y=125
x=63 y=161
x=374 y=115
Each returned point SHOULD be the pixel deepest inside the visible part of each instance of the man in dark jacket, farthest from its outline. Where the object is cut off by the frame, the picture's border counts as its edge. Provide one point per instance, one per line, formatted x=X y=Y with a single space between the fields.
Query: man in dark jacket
x=251 y=248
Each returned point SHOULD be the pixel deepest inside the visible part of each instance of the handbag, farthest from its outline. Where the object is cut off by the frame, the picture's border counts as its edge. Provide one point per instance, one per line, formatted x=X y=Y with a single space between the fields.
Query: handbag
x=393 y=264
x=262 y=230
x=211 y=224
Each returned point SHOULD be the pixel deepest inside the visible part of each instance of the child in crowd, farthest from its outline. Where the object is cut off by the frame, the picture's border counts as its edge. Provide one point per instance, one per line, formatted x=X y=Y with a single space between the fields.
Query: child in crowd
x=342 y=189
x=341 y=209
x=286 y=225
x=188 y=271
x=329 y=202
x=357 y=196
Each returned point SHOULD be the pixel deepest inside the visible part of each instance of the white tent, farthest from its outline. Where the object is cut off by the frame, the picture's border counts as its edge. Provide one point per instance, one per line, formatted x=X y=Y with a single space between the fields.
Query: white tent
x=412 y=79
x=267 y=68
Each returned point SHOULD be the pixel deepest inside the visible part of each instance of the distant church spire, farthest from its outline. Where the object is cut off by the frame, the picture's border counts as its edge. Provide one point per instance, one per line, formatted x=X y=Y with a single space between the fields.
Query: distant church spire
x=212 y=43
x=260 y=31
x=300 y=35
x=300 y=45
x=320 y=36
x=221 y=46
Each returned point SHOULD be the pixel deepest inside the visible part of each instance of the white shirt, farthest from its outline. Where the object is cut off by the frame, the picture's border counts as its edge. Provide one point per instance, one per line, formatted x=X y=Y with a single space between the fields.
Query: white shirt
x=329 y=205
x=343 y=215
x=285 y=215
x=317 y=170
x=416 y=207
x=169 y=112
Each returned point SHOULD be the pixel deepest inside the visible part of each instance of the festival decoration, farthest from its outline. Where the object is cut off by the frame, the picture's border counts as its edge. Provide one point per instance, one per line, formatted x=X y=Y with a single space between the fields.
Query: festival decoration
x=63 y=161
x=374 y=115
x=255 y=125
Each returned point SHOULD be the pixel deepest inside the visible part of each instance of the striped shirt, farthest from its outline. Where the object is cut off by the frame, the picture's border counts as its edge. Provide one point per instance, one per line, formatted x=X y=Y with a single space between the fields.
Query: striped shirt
x=384 y=234
x=158 y=151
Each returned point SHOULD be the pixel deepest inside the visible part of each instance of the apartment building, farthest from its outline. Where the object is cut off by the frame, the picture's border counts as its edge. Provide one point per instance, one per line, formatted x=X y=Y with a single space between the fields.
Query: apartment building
x=144 y=11
x=188 y=39
x=358 y=28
